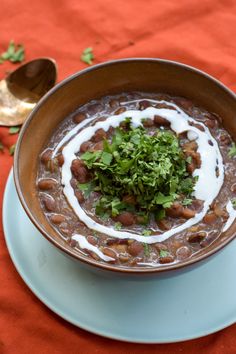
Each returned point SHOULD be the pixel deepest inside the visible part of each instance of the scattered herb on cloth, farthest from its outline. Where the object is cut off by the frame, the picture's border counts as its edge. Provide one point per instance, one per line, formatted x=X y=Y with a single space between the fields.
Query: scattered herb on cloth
x=87 y=56
x=12 y=149
x=150 y=168
x=14 y=53
x=14 y=130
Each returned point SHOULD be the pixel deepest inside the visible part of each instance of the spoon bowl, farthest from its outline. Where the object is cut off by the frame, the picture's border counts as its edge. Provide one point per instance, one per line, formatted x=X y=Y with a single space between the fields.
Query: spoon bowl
x=23 y=88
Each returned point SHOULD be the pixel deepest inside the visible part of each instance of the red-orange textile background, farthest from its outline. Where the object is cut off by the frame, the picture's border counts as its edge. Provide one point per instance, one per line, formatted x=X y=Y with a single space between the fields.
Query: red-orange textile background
x=198 y=33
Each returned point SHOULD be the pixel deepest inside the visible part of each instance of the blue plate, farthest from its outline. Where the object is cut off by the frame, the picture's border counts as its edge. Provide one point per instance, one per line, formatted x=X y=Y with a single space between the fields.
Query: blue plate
x=190 y=305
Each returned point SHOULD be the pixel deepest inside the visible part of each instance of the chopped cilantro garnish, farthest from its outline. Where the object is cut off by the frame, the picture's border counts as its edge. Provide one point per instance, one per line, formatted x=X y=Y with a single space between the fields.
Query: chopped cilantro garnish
x=150 y=167
x=164 y=253
x=118 y=226
x=189 y=159
x=14 y=53
x=187 y=201
x=14 y=130
x=232 y=151
x=87 y=188
x=160 y=214
x=146 y=233
x=146 y=248
x=87 y=56
x=12 y=149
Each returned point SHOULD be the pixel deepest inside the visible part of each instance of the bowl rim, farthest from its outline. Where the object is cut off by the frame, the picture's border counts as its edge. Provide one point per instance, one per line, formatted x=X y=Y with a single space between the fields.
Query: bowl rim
x=90 y=261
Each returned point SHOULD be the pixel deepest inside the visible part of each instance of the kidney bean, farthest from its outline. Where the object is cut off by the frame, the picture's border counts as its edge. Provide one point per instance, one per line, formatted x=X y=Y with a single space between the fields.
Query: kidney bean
x=99 y=135
x=147 y=123
x=210 y=123
x=166 y=259
x=52 y=165
x=60 y=160
x=113 y=103
x=124 y=257
x=197 y=238
x=109 y=252
x=218 y=210
x=164 y=224
x=184 y=103
x=79 y=118
x=160 y=247
x=196 y=158
x=136 y=249
x=164 y=105
x=120 y=110
x=198 y=126
x=191 y=168
x=210 y=142
x=158 y=120
x=116 y=241
x=65 y=231
x=46 y=156
x=121 y=248
x=225 y=139
x=208 y=239
x=190 y=146
x=47 y=184
x=49 y=202
x=73 y=243
x=96 y=147
x=79 y=195
x=210 y=218
x=93 y=255
x=129 y=199
x=143 y=105
x=94 y=108
x=126 y=218
x=92 y=240
x=194 y=228
x=85 y=146
x=183 y=253
x=175 y=210
x=141 y=219
x=197 y=204
x=73 y=183
x=79 y=171
x=188 y=213
x=57 y=219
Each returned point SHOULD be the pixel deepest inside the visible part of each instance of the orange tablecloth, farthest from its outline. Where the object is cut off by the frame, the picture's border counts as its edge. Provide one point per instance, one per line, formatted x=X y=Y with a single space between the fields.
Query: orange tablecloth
x=199 y=33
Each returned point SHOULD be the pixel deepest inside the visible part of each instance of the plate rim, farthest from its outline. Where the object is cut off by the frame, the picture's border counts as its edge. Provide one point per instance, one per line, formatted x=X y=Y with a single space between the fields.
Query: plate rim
x=54 y=308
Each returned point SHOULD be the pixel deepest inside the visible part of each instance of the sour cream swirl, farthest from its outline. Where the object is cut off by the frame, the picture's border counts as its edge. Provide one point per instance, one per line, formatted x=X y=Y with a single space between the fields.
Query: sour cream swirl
x=207 y=186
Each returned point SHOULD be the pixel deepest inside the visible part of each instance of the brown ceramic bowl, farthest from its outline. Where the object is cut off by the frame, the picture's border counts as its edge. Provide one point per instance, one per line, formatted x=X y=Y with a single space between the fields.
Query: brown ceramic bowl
x=151 y=75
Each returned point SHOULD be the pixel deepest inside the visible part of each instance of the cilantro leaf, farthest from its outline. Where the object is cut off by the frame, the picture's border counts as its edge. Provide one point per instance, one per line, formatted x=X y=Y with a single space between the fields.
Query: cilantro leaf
x=187 y=201
x=160 y=214
x=14 y=130
x=87 y=56
x=87 y=188
x=232 y=151
x=146 y=249
x=12 y=149
x=14 y=53
x=146 y=232
x=106 y=158
x=164 y=253
x=117 y=226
